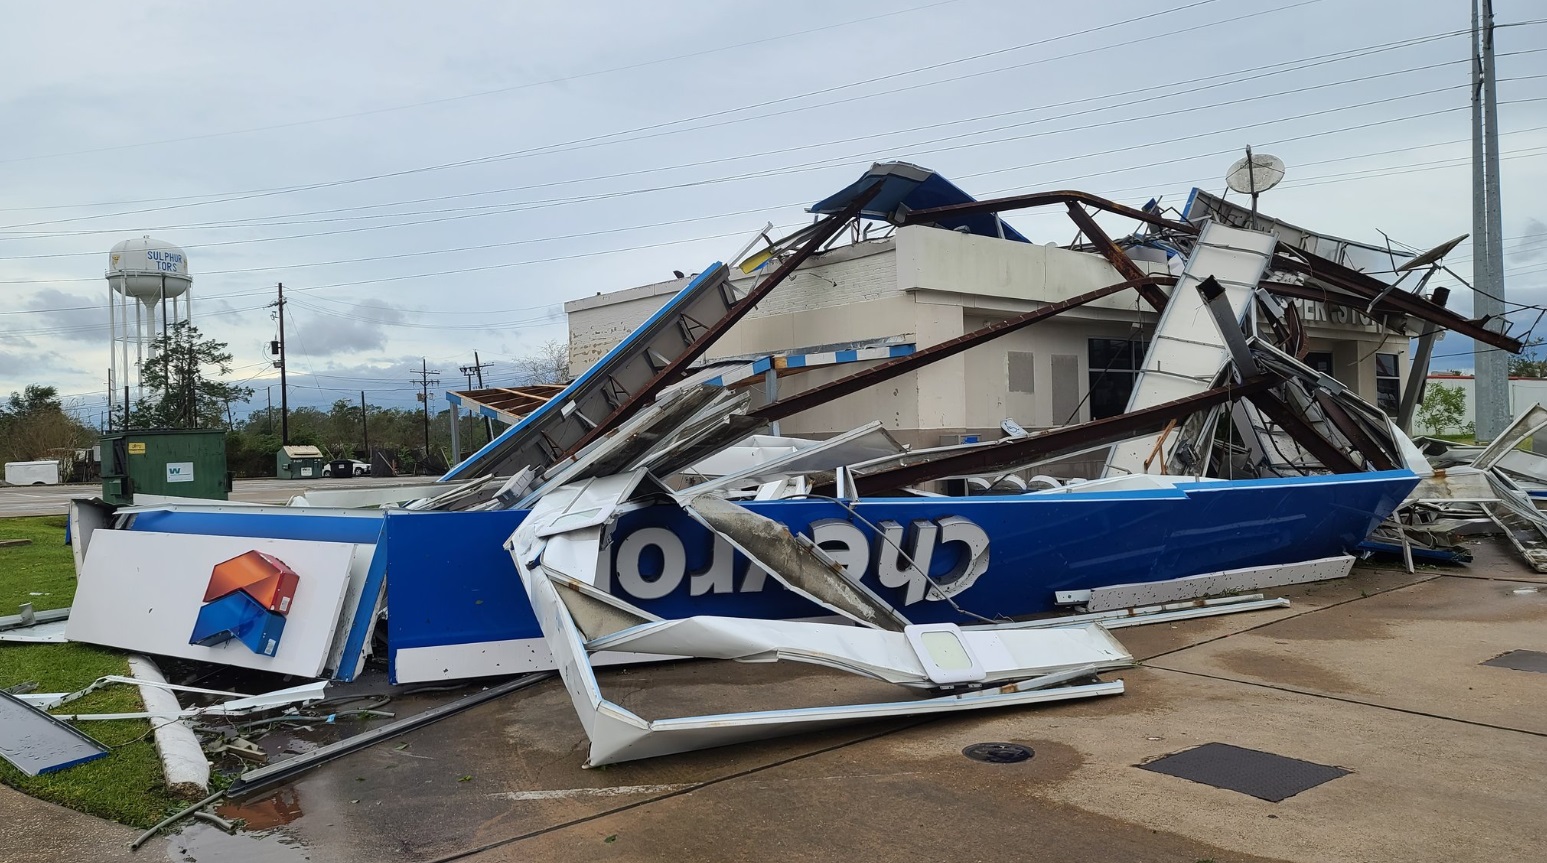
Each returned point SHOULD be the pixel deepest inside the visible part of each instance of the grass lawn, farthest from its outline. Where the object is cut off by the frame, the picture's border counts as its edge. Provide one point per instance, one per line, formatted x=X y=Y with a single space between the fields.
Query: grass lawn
x=42 y=573
x=125 y=786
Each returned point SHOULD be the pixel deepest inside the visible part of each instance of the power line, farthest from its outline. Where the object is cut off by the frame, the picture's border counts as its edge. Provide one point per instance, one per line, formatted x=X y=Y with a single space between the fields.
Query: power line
x=787 y=170
x=637 y=133
x=1150 y=189
x=868 y=19
x=1320 y=60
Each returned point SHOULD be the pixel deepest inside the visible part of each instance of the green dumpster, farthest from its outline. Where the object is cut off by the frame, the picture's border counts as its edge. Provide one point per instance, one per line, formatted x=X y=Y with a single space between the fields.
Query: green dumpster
x=299 y=462
x=175 y=462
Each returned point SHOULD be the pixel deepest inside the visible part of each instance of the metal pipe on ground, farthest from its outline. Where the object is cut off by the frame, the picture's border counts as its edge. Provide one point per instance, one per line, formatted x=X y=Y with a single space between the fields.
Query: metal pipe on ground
x=284 y=771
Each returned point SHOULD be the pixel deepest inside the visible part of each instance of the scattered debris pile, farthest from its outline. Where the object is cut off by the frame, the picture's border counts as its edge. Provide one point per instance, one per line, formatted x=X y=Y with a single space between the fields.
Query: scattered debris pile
x=641 y=512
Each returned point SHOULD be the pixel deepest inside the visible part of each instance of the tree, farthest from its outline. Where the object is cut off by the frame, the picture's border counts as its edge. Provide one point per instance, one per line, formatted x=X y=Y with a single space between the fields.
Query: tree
x=1442 y=408
x=180 y=392
x=1529 y=364
x=549 y=364
x=34 y=425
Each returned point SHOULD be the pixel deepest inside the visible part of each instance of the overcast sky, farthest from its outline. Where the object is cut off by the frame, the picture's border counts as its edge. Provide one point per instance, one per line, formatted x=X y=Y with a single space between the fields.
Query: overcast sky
x=434 y=179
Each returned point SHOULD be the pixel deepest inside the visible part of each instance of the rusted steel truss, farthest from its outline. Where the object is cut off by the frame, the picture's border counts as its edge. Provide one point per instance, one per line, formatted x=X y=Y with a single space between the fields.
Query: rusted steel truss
x=1010 y=453
x=1356 y=434
x=677 y=368
x=1406 y=302
x=1304 y=434
x=1041 y=199
x=1116 y=256
x=902 y=365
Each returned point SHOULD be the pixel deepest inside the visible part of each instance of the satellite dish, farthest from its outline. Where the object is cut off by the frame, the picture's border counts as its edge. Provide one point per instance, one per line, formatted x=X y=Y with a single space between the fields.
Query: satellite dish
x=1255 y=174
x=1432 y=255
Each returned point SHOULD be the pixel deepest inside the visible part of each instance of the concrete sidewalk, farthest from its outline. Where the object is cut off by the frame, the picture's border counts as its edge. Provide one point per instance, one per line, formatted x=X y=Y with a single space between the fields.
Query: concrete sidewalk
x=1378 y=674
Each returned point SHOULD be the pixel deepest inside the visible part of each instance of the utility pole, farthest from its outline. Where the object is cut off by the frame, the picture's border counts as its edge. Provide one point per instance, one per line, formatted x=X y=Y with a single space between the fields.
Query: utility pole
x=278 y=348
x=425 y=382
x=477 y=369
x=1490 y=365
x=365 y=427
x=193 y=387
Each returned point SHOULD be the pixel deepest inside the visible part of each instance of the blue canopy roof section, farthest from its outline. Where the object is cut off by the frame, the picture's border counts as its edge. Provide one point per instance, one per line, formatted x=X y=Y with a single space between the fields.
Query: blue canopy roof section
x=910 y=187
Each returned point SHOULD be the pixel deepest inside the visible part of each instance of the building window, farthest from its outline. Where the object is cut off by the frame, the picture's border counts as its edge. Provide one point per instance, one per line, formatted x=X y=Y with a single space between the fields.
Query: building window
x=1321 y=361
x=1388 y=384
x=1020 y=370
x=1114 y=364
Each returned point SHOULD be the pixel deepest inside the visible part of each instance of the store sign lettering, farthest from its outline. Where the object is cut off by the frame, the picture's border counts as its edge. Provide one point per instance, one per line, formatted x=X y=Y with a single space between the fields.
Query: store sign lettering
x=651 y=562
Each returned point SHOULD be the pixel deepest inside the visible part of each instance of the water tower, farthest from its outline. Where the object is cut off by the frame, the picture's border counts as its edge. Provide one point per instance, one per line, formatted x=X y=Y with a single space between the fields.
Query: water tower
x=145 y=277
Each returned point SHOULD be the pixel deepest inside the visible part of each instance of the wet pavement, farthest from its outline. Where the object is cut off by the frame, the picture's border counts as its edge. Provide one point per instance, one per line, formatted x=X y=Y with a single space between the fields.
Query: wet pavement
x=1379 y=674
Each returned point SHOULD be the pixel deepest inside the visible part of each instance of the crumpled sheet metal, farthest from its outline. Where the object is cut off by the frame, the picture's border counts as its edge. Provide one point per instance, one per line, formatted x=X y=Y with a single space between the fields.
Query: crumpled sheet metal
x=1000 y=656
x=559 y=572
x=618 y=735
x=1523 y=426
x=799 y=565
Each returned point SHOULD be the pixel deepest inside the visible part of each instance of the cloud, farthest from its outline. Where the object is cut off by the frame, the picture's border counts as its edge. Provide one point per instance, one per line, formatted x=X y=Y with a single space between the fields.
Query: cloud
x=324 y=331
x=72 y=317
x=21 y=367
x=1532 y=246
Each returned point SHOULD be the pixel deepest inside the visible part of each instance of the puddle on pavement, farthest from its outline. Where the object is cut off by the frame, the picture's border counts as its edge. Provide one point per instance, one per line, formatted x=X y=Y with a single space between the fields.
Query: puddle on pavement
x=204 y=842
x=264 y=813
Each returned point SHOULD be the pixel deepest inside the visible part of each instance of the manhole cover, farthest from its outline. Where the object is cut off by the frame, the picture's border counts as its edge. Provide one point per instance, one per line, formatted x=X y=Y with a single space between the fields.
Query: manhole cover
x=998 y=753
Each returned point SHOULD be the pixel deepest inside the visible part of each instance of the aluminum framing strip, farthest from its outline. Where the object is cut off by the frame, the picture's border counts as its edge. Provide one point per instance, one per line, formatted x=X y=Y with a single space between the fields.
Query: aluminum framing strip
x=1188 y=352
x=1370 y=288
x=1143 y=616
x=1116 y=256
x=1041 y=199
x=924 y=356
x=28 y=617
x=1350 y=428
x=1325 y=451
x=679 y=366
x=1015 y=451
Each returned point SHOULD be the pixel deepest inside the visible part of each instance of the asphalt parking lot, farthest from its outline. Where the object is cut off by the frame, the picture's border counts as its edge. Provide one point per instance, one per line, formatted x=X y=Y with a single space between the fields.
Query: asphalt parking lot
x=55 y=499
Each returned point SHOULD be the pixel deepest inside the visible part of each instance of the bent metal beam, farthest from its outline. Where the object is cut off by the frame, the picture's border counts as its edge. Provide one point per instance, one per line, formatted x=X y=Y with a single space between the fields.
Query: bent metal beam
x=902 y=365
x=674 y=370
x=1042 y=199
x=1012 y=452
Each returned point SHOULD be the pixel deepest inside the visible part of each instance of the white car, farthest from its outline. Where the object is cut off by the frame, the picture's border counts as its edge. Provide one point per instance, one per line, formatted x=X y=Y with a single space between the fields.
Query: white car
x=360 y=468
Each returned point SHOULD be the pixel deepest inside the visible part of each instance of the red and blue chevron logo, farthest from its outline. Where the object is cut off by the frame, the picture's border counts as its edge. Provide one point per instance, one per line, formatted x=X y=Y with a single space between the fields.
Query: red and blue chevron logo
x=247 y=599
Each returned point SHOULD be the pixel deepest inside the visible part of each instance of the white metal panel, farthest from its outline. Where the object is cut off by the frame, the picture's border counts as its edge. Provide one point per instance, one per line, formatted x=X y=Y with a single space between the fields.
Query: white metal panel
x=142 y=591
x=1522 y=427
x=616 y=734
x=359 y=569
x=1228 y=581
x=492 y=659
x=869 y=441
x=354 y=498
x=1187 y=351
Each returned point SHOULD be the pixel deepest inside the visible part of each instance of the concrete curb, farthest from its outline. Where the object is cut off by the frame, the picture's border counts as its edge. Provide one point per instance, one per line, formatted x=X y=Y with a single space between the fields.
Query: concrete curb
x=182 y=758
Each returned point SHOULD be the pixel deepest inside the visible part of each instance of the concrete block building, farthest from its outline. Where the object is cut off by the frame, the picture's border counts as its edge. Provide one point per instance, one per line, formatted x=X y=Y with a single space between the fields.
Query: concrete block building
x=924 y=285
